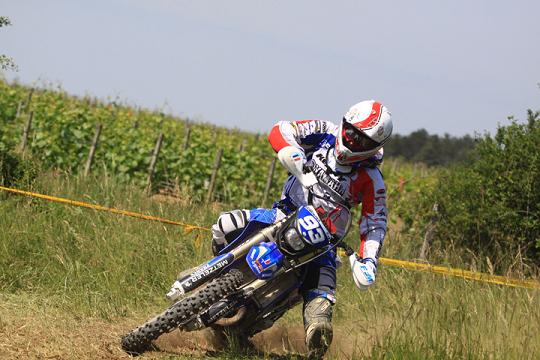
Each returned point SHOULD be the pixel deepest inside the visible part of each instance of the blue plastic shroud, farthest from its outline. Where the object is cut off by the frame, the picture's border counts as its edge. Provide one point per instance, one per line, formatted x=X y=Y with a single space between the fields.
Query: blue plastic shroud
x=264 y=259
x=259 y=219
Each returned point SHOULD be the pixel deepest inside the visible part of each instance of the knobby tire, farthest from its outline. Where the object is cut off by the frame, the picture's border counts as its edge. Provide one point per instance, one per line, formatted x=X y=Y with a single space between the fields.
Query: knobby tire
x=140 y=339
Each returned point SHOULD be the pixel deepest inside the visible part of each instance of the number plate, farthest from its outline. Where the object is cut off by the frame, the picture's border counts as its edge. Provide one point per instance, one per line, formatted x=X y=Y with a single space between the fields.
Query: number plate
x=311 y=228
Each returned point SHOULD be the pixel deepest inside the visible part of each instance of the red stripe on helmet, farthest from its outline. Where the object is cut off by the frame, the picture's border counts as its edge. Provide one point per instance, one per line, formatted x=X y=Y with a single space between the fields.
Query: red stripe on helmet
x=372 y=119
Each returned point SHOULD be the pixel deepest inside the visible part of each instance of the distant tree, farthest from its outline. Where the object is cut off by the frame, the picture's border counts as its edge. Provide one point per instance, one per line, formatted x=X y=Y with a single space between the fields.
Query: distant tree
x=420 y=146
x=6 y=63
x=489 y=205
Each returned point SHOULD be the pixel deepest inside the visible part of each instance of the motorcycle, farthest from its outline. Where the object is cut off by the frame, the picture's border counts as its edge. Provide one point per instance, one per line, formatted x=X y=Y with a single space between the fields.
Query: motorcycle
x=256 y=278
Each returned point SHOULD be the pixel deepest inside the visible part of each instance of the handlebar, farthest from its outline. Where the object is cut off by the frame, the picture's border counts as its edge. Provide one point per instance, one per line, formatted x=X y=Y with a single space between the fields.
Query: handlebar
x=348 y=250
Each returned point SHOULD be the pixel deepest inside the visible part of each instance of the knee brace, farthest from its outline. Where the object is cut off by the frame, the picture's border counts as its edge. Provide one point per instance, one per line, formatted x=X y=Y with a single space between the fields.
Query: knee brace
x=228 y=227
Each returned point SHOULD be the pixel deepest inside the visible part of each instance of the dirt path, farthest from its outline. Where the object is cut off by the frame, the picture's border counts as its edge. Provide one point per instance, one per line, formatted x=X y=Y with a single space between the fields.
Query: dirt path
x=277 y=341
x=35 y=328
x=45 y=336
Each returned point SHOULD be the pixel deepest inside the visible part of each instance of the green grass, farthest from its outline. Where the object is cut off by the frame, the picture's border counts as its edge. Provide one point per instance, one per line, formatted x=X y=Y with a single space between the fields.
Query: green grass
x=89 y=264
x=93 y=260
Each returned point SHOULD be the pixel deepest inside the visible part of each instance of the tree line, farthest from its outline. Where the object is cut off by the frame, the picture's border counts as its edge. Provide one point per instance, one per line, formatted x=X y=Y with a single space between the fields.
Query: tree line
x=420 y=146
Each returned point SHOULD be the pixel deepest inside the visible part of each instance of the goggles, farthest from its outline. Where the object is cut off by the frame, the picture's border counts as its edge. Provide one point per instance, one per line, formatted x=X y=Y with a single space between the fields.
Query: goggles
x=355 y=139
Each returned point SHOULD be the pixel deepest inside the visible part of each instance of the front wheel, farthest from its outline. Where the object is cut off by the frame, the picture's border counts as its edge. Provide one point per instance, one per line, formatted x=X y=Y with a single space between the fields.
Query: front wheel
x=140 y=339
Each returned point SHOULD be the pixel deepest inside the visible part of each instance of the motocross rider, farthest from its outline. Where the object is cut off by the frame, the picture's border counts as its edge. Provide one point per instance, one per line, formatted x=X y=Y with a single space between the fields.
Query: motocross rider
x=344 y=158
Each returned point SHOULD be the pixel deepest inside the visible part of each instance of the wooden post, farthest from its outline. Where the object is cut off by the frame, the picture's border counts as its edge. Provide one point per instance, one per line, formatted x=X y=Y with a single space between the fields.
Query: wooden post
x=162 y=120
x=26 y=132
x=137 y=117
x=243 y=145
x=29 y=98
x=92 y=150
x=153 y=162
x=269 y=181
x=430 y=233
x=19 y=109
x=186 y=138
x=212 y=185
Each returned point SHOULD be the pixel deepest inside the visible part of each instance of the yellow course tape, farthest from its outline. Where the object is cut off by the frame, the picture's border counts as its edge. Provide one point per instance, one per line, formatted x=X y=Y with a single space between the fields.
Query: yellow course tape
x=188 y=227
x=465 y=274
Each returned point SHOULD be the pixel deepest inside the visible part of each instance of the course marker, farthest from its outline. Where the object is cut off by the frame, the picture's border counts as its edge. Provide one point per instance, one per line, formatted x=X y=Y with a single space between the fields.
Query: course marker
x=409 y=265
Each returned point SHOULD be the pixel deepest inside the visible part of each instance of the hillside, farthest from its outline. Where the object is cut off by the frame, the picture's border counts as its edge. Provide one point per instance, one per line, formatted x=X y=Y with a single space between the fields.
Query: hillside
x=72 y=281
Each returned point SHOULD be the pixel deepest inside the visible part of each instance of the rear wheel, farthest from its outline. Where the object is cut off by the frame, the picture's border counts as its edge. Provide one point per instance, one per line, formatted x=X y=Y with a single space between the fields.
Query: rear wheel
x=140 y=339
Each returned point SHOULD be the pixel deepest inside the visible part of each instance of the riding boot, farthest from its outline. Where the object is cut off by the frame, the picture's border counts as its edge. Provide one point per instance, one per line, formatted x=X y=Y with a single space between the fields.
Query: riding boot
x=318 y=326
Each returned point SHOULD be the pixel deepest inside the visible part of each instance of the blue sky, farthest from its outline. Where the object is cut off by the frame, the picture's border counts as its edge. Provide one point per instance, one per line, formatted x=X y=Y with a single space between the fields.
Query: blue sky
x=448 y=66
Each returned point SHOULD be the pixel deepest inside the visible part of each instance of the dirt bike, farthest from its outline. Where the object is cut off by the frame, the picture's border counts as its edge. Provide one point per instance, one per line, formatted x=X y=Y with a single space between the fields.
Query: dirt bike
x=256 y=278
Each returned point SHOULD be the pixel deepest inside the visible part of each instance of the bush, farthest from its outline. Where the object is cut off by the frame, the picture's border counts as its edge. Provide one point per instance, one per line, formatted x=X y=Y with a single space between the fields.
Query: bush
x=17 y=170
x=489 y=207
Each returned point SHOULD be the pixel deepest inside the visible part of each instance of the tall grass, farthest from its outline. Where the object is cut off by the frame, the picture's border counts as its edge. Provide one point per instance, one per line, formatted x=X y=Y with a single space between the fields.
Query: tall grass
x=88 y=263
x=94 y=262
x=414 y=316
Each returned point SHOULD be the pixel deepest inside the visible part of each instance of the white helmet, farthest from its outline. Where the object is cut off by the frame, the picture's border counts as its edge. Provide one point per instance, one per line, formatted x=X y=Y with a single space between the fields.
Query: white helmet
x=364 y=130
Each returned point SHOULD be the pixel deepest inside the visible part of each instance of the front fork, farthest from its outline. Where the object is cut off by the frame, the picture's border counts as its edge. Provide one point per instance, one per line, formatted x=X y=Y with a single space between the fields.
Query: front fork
x=236 y=303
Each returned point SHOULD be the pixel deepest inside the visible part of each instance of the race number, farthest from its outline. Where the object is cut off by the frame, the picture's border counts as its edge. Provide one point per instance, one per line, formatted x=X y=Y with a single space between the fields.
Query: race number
x=311 y=229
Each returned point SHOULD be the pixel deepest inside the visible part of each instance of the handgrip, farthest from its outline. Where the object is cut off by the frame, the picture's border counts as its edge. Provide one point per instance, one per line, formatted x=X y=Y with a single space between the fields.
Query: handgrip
x=348 y=250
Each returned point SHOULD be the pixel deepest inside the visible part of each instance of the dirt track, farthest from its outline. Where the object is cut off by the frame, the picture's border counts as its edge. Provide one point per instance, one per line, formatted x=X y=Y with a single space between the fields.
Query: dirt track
x=42 y=336
x=277 y=341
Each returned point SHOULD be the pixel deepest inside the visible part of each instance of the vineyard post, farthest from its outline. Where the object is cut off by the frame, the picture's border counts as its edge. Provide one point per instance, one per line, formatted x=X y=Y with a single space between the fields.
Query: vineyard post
x=430 y=233
x=212 y=184
x=137 y=118
x=26 y=132
x=269 y=181
x=92 y=150
x=243 y=145
x=153 y=163
x=29 y=98
x=162 y=120
x=19 y=109
x=214 y=135
x=186 y=138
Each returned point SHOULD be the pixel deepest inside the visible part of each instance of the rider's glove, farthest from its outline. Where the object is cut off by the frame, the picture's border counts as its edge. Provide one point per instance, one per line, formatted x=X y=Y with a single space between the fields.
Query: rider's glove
x=363 y=271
